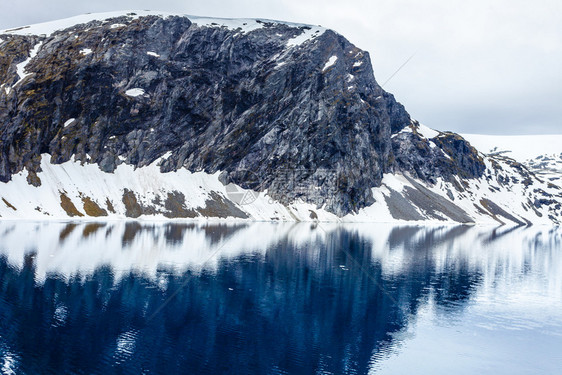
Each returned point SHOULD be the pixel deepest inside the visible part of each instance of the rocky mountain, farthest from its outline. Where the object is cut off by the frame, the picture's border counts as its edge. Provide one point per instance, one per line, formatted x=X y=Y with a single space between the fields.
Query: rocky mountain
x=149 y=114
x=547 y=167
x=541 y=154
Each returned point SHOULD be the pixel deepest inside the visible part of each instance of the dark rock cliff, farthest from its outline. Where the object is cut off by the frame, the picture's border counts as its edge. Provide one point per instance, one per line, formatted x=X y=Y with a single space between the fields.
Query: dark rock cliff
x=446 y=155
x=307 y=121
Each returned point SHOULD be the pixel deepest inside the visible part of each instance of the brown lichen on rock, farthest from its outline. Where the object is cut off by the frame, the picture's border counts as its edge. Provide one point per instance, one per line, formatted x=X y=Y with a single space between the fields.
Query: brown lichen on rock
x=14 y=51
x=92 y=209
x=132 y=207
x=109 y=205
x=8 y=204
x=33 y=179
x=68 y=206
x=175 y=204
x=217 y=206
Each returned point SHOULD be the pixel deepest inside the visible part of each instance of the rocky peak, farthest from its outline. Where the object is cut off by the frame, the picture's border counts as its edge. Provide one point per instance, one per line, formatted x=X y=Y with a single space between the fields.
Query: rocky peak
x=291 y=109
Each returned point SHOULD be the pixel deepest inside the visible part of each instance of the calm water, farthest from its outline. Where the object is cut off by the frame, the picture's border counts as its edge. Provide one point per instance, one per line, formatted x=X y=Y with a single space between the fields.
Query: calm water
x=160 y=298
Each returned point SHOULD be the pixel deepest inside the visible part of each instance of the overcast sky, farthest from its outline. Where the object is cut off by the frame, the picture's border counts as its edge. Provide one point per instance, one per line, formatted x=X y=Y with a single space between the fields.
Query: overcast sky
x=478 y=66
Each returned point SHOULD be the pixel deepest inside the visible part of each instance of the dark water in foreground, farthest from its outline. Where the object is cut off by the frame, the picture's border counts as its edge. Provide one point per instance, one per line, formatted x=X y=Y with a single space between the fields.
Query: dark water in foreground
x=160 y=298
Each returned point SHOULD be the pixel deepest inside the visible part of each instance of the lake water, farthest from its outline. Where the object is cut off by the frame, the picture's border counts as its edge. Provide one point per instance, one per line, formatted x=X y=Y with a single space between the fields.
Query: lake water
x=162 y=298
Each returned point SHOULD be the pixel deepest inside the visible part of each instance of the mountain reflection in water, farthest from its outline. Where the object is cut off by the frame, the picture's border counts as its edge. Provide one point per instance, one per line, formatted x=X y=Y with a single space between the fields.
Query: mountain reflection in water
x=136 y=297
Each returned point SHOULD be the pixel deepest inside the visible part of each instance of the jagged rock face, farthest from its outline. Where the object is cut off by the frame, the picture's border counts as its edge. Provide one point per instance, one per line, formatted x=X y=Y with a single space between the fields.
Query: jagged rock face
x=446 y=155
x=270 y=115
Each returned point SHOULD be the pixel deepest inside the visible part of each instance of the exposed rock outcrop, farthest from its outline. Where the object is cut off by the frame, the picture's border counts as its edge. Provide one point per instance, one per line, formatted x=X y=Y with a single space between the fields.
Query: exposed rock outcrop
x=219 y=99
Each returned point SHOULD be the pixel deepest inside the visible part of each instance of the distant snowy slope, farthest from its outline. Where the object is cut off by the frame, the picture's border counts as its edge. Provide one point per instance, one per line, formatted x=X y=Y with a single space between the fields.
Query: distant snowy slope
x=518 y=147
x=542 y=154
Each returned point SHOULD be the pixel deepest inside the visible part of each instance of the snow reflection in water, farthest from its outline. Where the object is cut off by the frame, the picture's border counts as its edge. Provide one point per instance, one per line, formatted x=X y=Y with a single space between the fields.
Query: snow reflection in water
x=275 y=298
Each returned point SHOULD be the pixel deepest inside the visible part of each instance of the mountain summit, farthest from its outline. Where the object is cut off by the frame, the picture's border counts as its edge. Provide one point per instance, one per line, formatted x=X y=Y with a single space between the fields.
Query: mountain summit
x=147 y=113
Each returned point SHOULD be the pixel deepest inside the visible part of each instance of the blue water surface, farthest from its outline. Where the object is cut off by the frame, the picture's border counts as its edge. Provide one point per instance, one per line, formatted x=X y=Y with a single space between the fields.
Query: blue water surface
x=261 y=298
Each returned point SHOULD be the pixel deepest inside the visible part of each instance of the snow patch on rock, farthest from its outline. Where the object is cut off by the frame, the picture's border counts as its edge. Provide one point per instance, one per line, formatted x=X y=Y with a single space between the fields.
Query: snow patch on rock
x=310 y=32
x=426 y=132
x=20 y=68
x=134 y=92
x=331 y=61
x=68 y=122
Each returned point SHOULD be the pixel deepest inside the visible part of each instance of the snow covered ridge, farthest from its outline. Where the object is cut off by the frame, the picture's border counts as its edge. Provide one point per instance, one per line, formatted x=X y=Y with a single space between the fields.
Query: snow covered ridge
x=244 y=24
x=542 y=154
x=505 y=195
x=73 y=190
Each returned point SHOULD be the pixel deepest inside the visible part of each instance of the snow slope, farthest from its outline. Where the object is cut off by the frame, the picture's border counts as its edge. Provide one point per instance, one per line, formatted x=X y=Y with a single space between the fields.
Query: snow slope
x=542 y=154
x=400 y=199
